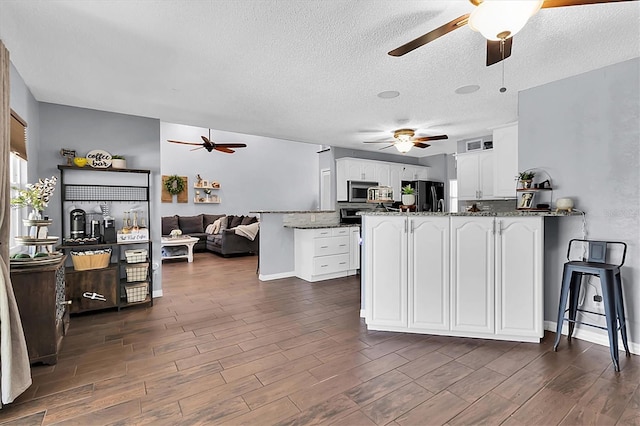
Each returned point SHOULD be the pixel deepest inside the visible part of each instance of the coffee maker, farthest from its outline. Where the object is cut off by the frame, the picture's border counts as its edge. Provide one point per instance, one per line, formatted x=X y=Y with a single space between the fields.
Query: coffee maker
x=109 y=235
x=78 y=223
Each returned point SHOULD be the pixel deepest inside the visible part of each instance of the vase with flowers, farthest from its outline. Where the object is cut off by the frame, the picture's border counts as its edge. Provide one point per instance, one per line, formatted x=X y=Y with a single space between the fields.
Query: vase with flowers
x=35 y=195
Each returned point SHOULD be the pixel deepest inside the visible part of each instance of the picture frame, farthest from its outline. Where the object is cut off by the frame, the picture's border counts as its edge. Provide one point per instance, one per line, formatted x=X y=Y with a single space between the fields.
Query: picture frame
x=526 y=202
x=205 y=183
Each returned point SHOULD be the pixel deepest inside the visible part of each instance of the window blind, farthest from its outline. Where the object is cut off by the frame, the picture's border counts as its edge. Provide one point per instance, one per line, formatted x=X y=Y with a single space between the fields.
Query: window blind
x=18 y=135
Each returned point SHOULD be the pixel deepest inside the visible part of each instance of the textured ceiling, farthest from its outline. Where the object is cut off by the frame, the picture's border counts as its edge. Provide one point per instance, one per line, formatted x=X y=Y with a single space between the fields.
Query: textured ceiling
x=304 y=70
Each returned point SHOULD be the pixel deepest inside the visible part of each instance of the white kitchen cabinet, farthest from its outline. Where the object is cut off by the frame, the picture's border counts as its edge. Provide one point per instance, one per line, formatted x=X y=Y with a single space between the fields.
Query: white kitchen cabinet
x=472 y=274
x=410 y=172
x=395 y=180
x=354 y=248
x=428 y=277
x=519 y=277
x=409 y=269
x=385 y=258
x=475 y=175
x=323 y=253
x=466 y=276
x=505 y=151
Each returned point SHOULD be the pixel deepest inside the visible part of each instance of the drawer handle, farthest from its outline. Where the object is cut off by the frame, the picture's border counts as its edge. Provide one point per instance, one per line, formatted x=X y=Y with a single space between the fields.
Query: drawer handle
x=323 y=266
x=324 y=246
x=66 y=302
x=343 y=245
x=343 y=263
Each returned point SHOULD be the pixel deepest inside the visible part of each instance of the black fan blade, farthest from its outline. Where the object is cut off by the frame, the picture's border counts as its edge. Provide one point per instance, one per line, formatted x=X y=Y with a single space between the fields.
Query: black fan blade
x=223 y=149
x=431 y=35
x=430 y=138
x=389 y=146
x=494 y=50
x=231 y=145
x=184 y=143
x=195 y=149
x=421 y=145
x=562 y=3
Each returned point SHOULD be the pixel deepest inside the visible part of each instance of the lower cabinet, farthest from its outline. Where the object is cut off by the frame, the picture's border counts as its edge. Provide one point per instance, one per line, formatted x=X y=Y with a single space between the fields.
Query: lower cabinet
x=326 y=253
x=461 y=275
x=99 y=281
x=39 y=293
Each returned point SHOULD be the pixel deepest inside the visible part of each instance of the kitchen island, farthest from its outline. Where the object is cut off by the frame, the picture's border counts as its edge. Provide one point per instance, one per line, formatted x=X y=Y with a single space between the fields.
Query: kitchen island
x=457 y=274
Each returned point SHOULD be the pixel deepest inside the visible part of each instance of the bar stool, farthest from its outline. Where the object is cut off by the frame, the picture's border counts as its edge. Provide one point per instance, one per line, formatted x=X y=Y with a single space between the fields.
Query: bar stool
x=611 y=283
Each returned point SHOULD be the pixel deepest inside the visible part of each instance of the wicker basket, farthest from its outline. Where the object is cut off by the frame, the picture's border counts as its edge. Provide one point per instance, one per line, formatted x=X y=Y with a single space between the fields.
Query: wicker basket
x=85 y=262
x=137 y=273
x=135 y=256
x=137 y=292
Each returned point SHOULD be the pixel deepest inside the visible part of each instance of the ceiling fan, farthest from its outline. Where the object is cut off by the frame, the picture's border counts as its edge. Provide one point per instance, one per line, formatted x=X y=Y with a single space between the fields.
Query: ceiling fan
x=405 y=140
x=498 y=21
x=209 y=145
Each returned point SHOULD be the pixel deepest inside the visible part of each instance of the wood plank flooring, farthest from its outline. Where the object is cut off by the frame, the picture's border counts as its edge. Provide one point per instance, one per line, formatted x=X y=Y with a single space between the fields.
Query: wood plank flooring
x=221 y=347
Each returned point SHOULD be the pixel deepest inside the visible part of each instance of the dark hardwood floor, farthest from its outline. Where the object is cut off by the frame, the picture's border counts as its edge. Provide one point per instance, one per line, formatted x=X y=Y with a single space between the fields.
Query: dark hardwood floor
x=222 y=347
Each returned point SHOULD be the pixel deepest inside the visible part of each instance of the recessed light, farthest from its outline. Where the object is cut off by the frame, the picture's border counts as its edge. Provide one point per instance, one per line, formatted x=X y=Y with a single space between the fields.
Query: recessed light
x=465 y=90
x=389 y=94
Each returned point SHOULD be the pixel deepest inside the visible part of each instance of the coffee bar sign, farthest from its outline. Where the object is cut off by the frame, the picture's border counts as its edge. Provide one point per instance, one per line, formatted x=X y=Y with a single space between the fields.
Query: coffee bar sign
x=99 y=159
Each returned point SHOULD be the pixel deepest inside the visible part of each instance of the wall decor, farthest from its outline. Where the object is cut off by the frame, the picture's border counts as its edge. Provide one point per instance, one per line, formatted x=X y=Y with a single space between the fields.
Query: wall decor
x=174 y=185
x=99 y=159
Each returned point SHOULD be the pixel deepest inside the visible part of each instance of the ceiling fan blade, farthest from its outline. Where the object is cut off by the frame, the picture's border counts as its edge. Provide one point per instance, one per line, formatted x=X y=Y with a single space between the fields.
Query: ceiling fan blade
x=206 y=140
x=232 y=145
x=494 y=55
x=430 y=138
x=389 y=146
x=223 y=149
x=431 y=35
x=184 y=143
x=195 y=149
x=378 y=141
x=421 y=145
x=562 y=3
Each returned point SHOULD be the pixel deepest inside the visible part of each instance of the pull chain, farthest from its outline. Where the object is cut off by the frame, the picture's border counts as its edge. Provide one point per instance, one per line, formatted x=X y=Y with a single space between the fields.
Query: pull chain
x=502 y=89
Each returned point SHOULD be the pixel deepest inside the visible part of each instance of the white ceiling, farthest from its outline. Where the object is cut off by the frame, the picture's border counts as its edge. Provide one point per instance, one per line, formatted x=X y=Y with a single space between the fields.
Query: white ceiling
x=304 y=70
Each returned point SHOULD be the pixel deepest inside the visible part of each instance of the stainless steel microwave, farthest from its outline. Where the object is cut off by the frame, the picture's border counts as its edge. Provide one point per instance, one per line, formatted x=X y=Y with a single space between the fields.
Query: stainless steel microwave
x=357 y=190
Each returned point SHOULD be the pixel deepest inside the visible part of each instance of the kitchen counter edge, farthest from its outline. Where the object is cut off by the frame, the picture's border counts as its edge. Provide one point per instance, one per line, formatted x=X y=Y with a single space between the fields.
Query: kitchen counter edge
x=488 y=214
x=324 y=225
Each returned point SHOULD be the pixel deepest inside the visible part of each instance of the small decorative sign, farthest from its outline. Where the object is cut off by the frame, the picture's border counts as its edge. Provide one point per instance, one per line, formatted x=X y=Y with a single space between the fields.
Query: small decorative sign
x=140 y=235
x=99 y=159
x=69 y=154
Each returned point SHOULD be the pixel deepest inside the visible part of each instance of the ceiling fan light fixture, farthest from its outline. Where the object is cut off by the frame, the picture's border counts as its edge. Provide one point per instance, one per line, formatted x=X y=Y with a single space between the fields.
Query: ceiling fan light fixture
x=500 y=19
x=403 y=146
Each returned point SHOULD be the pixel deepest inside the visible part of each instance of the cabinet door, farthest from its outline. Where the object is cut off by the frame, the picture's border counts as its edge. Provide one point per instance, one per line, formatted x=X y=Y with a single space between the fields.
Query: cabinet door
x=341 y=180
x=485 y=167
x=367 y=171
x=428 y=277
x=102 y=281
x=395 y=181
x=385 y=276
x=505 y=151
x=354 y=248
x=467 y=172
x=519 y=276
x=472 y=274
x=382 y=174
x=422 y=173
x=408 y=173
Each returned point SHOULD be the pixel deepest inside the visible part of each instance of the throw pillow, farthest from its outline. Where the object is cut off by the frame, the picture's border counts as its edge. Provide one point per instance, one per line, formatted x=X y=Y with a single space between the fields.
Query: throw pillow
x=211 y=228
x=235 y=221
x=169 y=223
x=210 y=218
x=248 y=220
x=191 y=224
x=223 y=224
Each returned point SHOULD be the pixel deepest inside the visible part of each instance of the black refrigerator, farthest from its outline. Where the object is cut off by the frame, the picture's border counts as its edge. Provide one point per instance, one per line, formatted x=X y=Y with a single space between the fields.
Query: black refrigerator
x=428 y=195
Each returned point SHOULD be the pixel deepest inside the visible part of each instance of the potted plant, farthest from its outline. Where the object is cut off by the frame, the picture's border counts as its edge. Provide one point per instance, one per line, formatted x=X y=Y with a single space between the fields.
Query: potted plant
x=118 y=162
x=408 y=195
x=526 y=178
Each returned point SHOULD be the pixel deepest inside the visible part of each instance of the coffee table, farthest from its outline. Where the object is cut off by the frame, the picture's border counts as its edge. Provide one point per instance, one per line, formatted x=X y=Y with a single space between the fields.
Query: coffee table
x=186 y=241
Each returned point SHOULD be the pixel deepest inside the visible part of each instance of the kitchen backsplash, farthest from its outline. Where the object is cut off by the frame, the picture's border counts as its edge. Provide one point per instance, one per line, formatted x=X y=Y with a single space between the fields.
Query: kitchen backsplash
x=489 y=205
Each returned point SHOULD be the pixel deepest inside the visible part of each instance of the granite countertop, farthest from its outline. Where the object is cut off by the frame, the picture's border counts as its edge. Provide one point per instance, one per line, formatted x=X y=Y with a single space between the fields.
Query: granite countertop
x=323 y=225
x=490 y=214
x=292 y=211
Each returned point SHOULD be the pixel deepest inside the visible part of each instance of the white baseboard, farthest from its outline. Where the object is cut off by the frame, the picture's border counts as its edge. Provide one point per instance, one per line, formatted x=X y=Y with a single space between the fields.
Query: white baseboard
x=157 y=293
x=269 y=277
x=592 y=336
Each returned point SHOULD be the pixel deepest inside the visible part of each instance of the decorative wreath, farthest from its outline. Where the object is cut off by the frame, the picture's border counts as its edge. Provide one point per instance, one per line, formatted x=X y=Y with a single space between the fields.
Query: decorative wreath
x=174 y=184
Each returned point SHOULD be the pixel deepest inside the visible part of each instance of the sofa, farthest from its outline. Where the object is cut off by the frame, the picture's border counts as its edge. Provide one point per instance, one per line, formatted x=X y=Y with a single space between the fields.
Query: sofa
x=225 y=242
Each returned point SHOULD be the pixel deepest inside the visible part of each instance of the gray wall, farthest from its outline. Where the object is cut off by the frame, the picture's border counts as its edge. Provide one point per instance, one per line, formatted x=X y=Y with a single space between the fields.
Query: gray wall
x=23 y=102
x=137 y=138
x=584 y=131
x=269 y=174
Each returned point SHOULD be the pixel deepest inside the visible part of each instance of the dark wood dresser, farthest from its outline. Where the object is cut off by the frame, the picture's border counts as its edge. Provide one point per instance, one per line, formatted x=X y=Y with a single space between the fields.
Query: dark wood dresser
x=40 y=295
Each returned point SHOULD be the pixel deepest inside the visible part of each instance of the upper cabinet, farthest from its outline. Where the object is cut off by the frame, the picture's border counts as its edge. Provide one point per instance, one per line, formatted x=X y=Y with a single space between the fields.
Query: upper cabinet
x=490 y=174
x=505 y=149
x=475 y=175
x=382 y=172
